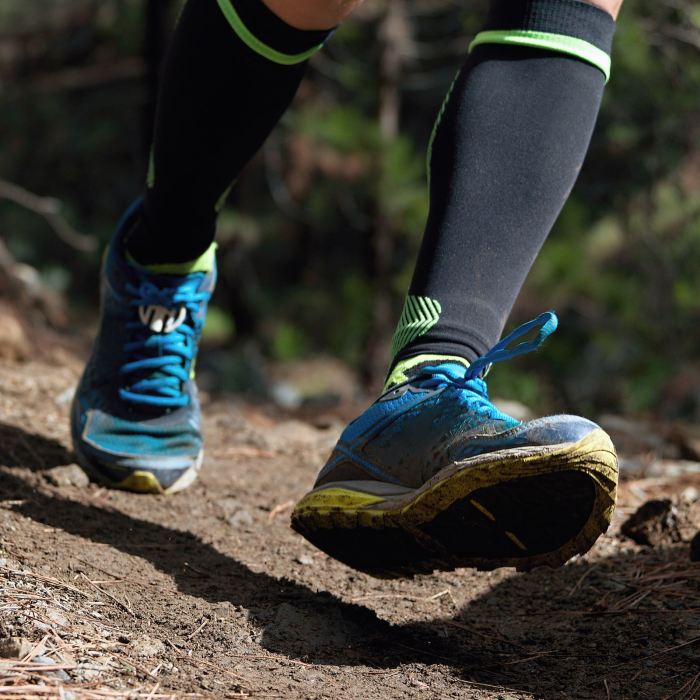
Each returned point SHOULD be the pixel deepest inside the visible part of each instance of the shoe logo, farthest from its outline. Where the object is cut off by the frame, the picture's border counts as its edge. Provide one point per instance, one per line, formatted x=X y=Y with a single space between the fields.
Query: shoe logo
x=161 y=319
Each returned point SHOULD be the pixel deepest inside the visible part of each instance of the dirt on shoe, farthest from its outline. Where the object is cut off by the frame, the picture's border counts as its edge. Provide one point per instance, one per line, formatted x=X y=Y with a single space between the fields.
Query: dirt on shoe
x=209 y=593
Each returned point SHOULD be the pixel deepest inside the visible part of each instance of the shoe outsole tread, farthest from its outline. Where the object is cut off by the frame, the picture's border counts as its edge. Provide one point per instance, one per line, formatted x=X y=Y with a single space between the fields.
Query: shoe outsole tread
x=522 y=508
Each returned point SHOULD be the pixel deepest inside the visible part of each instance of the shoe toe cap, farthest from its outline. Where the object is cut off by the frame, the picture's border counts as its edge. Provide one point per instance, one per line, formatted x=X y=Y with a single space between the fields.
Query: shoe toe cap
x=118 y=449
x=556 y=430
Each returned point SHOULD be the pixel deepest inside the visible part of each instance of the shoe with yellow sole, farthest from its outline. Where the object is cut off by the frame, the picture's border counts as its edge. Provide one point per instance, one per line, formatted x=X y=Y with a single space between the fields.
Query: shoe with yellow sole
x=135 y=419
x=433 y=476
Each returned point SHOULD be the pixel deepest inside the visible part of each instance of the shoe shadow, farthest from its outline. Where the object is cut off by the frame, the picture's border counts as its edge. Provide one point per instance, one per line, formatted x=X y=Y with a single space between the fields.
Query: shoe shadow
x=577 y=632
x=19 y=448
x=170 y=551
x=627 y=626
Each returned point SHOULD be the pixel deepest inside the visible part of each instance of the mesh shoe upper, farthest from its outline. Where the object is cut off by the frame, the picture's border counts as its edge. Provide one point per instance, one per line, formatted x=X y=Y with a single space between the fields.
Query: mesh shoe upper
x=441 y=415
x=136 y=405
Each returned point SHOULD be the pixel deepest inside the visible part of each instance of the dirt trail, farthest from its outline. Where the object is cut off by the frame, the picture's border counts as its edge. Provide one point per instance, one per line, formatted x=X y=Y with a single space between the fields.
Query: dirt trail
x=210 y=593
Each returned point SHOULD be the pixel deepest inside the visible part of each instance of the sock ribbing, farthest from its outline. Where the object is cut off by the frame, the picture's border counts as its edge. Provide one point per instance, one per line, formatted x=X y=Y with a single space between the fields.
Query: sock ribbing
x=571 y=27
x=573 y=18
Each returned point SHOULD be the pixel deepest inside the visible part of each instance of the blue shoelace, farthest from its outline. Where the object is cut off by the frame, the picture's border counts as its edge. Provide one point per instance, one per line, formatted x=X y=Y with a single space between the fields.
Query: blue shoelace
x=470 y=379
x=158 y=364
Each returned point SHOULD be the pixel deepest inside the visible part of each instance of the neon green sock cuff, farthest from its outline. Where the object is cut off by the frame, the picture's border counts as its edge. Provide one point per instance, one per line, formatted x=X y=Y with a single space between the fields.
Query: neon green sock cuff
x=260 y=47
x=560 y=43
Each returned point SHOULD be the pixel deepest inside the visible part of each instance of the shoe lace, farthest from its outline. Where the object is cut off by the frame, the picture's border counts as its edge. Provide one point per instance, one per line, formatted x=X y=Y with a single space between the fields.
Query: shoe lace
x=471 y=379
x=158 y=363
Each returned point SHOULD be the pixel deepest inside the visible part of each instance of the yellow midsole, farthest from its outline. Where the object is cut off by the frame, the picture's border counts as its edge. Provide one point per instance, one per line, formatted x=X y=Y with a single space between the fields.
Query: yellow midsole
x=140 y=482
x=363 y=509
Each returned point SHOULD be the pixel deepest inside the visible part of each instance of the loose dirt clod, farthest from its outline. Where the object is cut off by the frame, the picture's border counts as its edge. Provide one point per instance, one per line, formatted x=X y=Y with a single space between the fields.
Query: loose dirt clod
x=68 y=475
x=14 y=647
x=664 y=522
x=147 y=647
x=654 y=523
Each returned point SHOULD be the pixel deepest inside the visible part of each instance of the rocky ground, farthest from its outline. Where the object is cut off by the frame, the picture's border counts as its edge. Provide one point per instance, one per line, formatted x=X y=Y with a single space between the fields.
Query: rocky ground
x=210 y=594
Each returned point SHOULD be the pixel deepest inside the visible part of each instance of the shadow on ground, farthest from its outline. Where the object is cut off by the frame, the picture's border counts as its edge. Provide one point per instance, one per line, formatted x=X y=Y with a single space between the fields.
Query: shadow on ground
x=19 y=448
x=626 y=625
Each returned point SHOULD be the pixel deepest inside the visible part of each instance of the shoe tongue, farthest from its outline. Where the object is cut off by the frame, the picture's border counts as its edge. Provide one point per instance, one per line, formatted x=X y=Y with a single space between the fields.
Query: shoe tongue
x=409 y=368
x=160 y=319
x=158 y=309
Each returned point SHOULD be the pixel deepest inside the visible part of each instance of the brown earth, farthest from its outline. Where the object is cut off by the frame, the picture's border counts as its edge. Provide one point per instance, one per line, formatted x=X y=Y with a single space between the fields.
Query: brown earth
x=209 y=593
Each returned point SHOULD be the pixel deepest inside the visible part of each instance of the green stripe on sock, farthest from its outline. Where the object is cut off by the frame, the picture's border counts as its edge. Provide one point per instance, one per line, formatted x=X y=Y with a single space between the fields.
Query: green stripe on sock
x=419 y=315
x=224 y=196
x=253 y=43
x=552 y=42
x=438 y=121
x=151 y=173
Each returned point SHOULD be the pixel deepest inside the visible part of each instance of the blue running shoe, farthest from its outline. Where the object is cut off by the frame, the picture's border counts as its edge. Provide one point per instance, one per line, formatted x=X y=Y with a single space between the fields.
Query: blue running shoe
x=434 y=476
x=135 y=419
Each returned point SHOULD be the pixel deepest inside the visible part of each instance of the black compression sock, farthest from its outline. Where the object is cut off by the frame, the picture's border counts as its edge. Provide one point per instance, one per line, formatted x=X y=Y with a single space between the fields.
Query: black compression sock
x=232 y=70
x=508 y=146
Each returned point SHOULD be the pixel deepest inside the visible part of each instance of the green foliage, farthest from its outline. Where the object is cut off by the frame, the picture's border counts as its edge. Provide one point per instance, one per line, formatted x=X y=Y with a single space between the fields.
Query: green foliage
x=219 y=327
x=402 y=187
x=288 y=342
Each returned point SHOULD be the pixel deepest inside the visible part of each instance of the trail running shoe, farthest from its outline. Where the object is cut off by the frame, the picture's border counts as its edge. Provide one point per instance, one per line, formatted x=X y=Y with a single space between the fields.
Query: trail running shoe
x=434 y=476
x=135 y=419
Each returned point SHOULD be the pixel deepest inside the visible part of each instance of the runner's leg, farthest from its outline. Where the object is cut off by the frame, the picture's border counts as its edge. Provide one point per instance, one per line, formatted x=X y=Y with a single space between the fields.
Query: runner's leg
x=231 y=72
x=507 y=148
x=233 y=68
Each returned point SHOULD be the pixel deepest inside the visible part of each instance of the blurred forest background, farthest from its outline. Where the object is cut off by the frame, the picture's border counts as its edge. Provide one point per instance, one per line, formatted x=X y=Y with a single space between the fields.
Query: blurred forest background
x=318 y=240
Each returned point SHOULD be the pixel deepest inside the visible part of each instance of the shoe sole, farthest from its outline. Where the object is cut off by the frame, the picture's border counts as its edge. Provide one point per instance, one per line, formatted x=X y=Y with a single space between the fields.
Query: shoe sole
x=521 y=507
x=140 y=480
